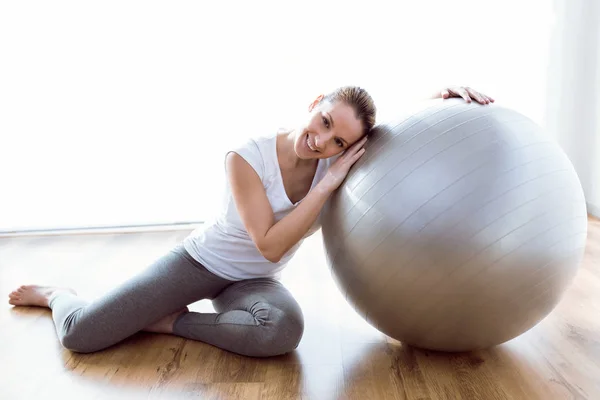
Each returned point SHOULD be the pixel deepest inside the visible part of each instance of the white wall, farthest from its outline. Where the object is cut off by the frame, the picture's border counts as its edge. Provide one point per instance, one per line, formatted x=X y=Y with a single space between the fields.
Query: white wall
x=573 y=106
x=119 y=112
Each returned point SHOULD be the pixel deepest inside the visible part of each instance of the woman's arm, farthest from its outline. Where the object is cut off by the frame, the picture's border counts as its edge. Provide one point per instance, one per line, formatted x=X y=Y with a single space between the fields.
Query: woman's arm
x=274 y=239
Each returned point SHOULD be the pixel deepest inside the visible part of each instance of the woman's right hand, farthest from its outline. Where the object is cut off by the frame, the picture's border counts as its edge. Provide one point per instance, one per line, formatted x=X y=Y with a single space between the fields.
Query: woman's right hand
x=338 y=171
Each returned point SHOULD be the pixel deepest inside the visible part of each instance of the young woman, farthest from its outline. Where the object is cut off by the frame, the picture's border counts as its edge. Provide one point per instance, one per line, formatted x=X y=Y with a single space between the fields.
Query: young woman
x=277 y=186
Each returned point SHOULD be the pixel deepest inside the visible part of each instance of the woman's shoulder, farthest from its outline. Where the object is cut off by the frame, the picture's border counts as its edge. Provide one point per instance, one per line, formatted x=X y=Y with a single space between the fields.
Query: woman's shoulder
x=257 y=151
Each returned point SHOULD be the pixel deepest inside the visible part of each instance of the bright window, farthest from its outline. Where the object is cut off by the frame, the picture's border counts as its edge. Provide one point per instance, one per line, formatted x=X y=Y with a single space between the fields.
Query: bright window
x=120 y=112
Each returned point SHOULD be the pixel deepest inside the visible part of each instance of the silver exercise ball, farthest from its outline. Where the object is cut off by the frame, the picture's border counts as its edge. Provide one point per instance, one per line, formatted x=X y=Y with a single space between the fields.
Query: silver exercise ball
x=459 y=229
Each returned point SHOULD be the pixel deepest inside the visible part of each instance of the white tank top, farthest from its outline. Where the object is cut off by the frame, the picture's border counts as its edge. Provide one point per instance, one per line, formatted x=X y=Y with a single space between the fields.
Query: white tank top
x=223 y=246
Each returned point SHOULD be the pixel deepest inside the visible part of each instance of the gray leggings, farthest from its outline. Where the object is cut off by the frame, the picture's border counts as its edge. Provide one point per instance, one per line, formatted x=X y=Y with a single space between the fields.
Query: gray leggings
x=255 y=317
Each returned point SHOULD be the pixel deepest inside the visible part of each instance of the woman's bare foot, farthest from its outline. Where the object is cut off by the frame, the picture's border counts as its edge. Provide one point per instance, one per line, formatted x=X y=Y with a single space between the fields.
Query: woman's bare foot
x=165 y=325
x=35 y=295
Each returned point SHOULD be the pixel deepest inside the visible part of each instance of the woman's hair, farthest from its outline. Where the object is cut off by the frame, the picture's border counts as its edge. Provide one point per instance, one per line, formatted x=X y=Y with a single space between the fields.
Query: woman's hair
x=357 y=98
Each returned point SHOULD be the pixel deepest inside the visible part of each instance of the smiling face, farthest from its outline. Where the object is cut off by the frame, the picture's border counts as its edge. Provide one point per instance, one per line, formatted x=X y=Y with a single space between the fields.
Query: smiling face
x=331 y=128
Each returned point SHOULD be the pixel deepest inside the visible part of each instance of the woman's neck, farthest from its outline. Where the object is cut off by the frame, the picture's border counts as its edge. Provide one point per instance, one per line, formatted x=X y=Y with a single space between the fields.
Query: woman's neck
x=285 y=151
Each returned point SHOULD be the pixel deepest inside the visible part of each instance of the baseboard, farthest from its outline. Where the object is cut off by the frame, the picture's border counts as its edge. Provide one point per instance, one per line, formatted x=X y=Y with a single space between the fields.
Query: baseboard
x=104 y=230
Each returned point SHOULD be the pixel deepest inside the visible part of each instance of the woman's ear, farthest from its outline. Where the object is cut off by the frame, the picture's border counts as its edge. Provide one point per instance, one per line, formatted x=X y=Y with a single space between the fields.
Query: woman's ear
x=314 y=103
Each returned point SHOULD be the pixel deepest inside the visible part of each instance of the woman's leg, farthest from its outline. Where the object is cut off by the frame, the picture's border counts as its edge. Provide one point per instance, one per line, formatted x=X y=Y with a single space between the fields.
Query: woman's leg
x=166 y=286
x=256 y=317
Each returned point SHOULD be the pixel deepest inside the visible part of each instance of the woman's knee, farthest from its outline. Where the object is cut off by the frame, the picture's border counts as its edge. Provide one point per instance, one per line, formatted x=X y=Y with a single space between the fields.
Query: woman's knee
x=280 y=332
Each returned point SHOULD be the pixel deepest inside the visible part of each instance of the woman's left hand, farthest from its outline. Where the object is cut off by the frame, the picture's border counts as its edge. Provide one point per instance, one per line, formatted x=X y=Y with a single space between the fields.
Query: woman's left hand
x=466 y=93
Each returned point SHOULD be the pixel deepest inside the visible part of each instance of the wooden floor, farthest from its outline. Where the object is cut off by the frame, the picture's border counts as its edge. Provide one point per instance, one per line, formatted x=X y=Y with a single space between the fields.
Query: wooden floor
x=340 y=356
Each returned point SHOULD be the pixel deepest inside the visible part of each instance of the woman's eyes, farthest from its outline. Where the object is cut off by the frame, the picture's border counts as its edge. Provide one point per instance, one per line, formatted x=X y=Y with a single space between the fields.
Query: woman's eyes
x=326 y=122
x=339 y=142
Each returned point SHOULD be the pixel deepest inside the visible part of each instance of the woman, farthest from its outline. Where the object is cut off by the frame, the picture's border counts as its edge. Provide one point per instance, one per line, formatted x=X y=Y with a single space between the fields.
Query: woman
x=277 y=186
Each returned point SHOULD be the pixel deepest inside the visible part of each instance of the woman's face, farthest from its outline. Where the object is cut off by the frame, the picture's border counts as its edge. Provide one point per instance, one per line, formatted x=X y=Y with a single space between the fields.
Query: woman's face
x=330 y=129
